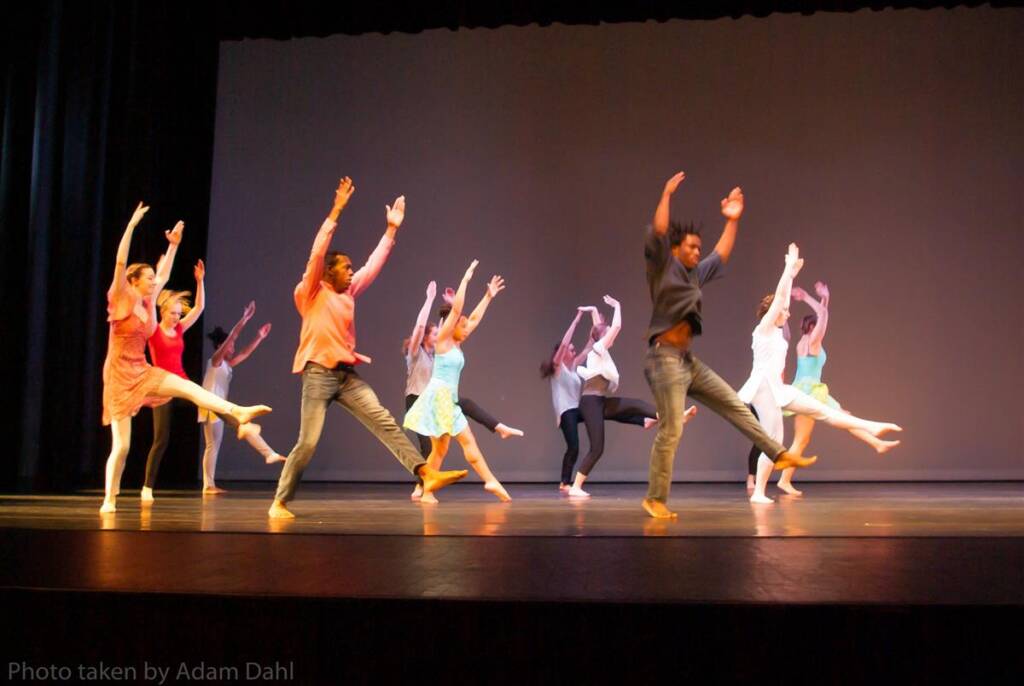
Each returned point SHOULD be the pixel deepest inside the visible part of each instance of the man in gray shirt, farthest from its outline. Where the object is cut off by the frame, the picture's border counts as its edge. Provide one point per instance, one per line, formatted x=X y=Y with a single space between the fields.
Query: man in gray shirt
x=675 y=274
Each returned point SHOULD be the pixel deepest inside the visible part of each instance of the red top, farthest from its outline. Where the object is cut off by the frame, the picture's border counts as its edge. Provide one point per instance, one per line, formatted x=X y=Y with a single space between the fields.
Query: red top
x=166 y=351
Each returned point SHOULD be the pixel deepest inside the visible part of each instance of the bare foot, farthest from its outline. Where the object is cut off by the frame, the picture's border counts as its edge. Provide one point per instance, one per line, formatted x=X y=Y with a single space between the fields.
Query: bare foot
x=879 y=428
x=212 y=490
x=428 y=499
x=279 y=511
x=750 y=483
x=690 y=413
x=788 y=459
x=108 y=507
x=495 y=488
x=883 y=447
x=658 y=509
x=563 y=488
x=761 y=499
x=417 y=492
x=246 y=414
x=649 y=422
x=577 y=492
x=507 y=431
x=146 y=495
x=276 y=457
x=434 y=480
x=789 y=488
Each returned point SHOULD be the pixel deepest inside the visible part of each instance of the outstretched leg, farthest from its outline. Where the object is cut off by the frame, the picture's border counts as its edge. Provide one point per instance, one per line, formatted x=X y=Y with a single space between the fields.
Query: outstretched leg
x=177 y=387
x=863 y=429
x=484 y=418
x=476 y=460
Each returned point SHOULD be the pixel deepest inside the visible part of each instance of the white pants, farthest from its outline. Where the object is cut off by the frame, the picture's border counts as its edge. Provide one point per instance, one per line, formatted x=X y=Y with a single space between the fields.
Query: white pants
x=213 y=432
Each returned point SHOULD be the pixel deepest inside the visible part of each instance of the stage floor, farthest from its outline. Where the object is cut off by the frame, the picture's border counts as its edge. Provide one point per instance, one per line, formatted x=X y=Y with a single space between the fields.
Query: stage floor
x=917 y=544
x=718 y=510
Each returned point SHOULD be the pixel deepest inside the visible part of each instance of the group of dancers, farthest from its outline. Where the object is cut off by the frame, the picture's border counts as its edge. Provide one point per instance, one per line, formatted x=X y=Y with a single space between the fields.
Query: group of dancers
x=583 y=383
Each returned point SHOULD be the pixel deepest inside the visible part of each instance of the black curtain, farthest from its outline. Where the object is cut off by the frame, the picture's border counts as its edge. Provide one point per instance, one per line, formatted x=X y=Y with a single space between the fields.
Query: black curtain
x=104 y=104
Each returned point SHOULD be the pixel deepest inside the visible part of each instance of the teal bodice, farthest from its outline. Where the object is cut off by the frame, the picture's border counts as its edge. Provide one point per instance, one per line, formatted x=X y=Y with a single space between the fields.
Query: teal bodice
x=810 y=366
x=448 y=368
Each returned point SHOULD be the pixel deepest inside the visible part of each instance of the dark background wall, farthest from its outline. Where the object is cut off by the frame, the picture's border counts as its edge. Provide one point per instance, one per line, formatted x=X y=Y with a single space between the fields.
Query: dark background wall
x=887 y=144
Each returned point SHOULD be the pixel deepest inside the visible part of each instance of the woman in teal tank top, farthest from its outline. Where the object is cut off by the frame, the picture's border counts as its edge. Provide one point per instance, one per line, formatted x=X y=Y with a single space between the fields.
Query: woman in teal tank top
x=809 y=363
x=436 y=412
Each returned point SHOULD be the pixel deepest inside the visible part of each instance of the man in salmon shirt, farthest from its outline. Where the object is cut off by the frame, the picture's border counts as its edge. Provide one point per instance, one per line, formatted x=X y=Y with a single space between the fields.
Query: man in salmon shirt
x=326 y=358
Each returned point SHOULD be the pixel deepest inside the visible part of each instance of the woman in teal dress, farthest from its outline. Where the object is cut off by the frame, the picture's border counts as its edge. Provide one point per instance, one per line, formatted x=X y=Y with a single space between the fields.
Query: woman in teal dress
x=809 y=363
x=436 y=413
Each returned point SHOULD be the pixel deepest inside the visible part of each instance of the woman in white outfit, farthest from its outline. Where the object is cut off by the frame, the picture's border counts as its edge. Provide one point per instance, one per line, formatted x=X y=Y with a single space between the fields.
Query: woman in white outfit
x=767 y=392
x=217 y=380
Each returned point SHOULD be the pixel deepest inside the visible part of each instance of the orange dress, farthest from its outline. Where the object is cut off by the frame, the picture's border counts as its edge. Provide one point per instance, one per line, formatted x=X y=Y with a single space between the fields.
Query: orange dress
x=129 y=381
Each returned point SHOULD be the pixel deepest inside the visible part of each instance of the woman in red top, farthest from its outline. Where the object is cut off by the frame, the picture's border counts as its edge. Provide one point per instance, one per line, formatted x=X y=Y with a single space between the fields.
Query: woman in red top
x=129 y=382
x=166 y=347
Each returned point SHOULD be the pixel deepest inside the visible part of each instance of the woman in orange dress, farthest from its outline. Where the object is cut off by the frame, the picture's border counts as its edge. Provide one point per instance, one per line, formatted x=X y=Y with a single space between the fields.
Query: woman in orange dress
x=129 y=381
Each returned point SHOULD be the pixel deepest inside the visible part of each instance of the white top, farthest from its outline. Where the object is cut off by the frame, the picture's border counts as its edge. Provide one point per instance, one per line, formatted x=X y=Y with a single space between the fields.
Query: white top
x=565 y=391
x=419 y=365
x=217 y=380
x=770 y=350
x=600 y=363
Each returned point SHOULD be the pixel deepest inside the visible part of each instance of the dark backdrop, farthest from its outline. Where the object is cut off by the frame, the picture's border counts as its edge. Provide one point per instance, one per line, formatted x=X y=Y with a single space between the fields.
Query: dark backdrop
x=106 y=103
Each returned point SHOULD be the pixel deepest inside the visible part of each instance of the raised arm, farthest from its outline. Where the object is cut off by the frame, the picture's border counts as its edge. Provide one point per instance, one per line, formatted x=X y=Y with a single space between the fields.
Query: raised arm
x=221 y=353
x=120 y=280
x=368 y=272
x=783 y=289
x=494 y=286
x=421 y=319
x=732 y=210
x=241 y=357
x=310 y=283
x=563 y=346
x=616 y=326
x=820 y=309
x=457 y=302
x=663 y=211
x=189 y=319
x=166 y=262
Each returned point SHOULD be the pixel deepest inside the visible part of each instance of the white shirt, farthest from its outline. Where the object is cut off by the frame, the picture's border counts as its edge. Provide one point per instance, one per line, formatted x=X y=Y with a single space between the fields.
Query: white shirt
x=770 y=350
x=600 y=363
x=565 y=391
x=217 y=380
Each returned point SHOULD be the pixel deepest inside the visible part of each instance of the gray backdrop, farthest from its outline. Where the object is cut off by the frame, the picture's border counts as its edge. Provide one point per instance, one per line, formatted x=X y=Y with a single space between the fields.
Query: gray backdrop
x=887 y=144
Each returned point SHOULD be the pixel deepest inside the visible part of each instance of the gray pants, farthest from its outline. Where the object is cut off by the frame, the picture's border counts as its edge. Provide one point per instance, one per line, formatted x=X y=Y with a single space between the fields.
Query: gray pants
x=321 y=387
x=672 y=374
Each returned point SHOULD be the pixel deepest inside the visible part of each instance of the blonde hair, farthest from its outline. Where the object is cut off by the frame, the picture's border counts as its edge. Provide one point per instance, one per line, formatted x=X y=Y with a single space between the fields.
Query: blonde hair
x=133 y=272
x=168 y=298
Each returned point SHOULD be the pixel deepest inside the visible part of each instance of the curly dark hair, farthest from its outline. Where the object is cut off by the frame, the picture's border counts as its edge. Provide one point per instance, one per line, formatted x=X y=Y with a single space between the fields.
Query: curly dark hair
x=678 y=232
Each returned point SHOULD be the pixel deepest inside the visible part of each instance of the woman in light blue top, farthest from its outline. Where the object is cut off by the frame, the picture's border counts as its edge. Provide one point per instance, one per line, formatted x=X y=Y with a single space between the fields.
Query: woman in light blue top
x=436 y=413
x=809 y=363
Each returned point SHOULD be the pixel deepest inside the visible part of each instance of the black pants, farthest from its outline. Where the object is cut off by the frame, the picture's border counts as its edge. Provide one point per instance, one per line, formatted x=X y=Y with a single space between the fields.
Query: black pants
x=596 y=409
x=569 y=424
x=755 y=452
x=469 y=408
x=161 y=437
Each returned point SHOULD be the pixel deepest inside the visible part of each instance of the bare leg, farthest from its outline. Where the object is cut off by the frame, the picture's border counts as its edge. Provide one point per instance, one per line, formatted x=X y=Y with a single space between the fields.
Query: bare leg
x=121 y=433
x=476 y=460
x=803 y=426
x=438 y=450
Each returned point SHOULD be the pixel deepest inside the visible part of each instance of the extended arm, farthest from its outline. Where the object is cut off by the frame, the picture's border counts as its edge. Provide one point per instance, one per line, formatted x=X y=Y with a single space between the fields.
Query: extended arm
x=222 y=350
x=783 y=289
x=189 y=319
x=662 y=212
x=120 y=282
x=732 y=210
x=253 y=344
x=820 y=309
x=616 y=326
x=421 y=319
x=315 y=265
x=563 y=347
x=166 y=262
x=369 y=271
x=457 y=302
x=495 y=286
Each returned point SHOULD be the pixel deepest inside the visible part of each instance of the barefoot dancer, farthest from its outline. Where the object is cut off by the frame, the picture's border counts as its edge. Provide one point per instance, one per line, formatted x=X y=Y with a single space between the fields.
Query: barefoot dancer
x=436 y=413
x=219 y=370
x=418 y=350
x=675 y=274
x=129 y=382
x=766 y=390
x=809 y=363
x=166 y=347
x=325 y=298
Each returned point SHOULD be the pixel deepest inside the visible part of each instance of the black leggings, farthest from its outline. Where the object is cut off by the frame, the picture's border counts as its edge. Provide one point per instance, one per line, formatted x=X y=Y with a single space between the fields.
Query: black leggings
x=569 y=424
x=755 y=452
x=469 y=408
x=161 y=437
x=595 y=409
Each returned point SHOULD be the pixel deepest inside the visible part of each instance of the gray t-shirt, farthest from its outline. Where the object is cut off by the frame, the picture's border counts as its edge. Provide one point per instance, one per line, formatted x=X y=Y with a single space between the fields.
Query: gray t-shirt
x=675 y=290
